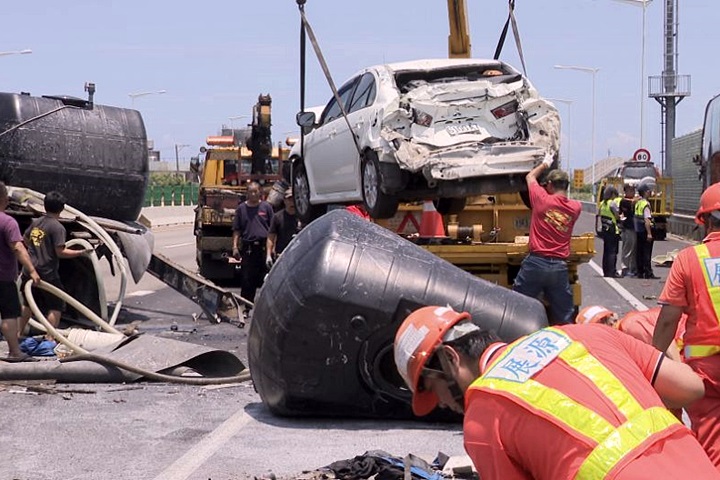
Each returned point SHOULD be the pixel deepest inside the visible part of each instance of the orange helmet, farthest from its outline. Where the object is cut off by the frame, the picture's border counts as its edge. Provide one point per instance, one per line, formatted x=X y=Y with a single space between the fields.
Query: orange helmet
x=594 y=314
x=416 y=340
x=709 y=202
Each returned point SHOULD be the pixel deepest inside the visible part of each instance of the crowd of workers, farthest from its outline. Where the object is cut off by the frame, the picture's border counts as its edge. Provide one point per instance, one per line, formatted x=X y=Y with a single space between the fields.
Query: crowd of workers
x=627 y=219
x=597 y=399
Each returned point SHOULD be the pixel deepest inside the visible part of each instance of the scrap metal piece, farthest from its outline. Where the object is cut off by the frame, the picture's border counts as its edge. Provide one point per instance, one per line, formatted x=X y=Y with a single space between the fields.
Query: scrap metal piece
x=217 y=303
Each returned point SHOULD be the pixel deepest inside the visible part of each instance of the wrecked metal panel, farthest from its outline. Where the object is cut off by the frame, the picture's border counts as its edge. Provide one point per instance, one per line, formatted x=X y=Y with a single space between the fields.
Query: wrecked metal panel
x=463 y=120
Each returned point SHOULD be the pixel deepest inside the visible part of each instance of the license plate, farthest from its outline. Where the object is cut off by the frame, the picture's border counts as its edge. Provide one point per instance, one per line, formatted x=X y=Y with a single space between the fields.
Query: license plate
x=461 y=129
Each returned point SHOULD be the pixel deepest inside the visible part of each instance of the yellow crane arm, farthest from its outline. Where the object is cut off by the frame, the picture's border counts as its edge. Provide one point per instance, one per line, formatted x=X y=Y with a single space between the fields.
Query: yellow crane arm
x=459 y=38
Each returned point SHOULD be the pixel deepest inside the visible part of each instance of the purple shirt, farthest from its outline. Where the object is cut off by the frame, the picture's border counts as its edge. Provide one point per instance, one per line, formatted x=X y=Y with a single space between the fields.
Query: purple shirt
x=9 y=235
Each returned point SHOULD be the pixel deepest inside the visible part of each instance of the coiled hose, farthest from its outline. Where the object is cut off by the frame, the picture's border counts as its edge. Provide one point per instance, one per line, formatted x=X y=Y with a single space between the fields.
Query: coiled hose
x=107 y=326
x=83 y=354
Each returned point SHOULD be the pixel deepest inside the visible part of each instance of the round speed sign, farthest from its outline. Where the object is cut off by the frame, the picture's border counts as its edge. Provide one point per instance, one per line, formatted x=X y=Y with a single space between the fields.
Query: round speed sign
x=641 y=155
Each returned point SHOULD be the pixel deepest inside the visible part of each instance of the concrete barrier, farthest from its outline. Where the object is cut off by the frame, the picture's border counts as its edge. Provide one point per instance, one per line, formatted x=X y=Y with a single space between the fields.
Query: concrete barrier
x=153 y=217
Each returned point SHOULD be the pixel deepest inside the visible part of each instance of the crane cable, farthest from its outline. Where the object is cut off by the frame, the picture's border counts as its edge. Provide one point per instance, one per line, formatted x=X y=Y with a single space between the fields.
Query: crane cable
x=306 y=29
x=501 y=41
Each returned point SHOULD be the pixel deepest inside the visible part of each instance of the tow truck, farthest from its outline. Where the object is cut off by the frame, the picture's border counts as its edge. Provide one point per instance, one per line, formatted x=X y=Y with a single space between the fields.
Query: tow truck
x=489 y=236
x=662 y=199
x=230 y=164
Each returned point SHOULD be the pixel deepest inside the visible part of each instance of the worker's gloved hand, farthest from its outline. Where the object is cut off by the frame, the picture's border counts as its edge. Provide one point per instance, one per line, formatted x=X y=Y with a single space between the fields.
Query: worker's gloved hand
x=269 y=262
x=548 y=161
x=236 y=253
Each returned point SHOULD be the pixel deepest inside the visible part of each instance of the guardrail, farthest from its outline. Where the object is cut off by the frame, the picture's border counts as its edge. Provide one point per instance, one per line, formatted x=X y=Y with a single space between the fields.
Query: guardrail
x=171 y=195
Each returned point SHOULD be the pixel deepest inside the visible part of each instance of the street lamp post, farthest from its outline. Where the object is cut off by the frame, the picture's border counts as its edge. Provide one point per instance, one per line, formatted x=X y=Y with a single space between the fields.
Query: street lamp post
x=593 y=71
x=16 y=52
x=133 y=96
x=643 y=4
x=177 y=155
x=568 y=103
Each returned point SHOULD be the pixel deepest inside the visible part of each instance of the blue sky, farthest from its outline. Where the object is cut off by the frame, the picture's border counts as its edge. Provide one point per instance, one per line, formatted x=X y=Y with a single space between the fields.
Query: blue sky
x=214 y=58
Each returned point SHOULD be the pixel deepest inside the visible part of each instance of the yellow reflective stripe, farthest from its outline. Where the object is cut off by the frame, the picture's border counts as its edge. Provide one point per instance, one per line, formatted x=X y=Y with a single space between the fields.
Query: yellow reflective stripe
x=626 y=438
x=578 y=358
x=612 y=443
x=703 y=253
x=695 y=351
x=555 y=404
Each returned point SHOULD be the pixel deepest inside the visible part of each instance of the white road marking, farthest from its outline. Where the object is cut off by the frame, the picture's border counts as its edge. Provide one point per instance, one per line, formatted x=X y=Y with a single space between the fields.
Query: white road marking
x=205 y=448
x=140 y=293
x=179 y=245
x=629 y=297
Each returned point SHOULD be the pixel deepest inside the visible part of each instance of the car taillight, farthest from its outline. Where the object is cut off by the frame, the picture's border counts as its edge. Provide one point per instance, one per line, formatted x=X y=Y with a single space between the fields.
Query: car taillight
x=422 y=118
x=505 y=110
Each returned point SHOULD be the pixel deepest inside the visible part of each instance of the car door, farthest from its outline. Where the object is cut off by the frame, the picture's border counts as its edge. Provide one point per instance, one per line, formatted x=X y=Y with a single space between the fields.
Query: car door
x=360 y=119
x=330 y=155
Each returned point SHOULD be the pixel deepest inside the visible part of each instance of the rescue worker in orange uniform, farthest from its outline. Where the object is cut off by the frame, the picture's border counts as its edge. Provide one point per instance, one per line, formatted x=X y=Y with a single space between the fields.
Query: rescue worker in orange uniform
x=637 y=323
x=693 y=287
x=572 y=401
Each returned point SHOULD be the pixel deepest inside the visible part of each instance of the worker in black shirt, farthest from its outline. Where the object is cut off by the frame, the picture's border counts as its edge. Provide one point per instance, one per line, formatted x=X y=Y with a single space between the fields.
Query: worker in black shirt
x=627 y=232
x=250 y=231
x=283 y=228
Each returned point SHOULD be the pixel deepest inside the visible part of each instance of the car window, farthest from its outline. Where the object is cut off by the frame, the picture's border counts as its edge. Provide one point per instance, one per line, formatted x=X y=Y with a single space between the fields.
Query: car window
x=332 y=111
x=364 y=93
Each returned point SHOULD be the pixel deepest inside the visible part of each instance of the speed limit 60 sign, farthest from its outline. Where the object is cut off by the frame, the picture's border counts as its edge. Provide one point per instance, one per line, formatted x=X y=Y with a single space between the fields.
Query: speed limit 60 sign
x=641 y=155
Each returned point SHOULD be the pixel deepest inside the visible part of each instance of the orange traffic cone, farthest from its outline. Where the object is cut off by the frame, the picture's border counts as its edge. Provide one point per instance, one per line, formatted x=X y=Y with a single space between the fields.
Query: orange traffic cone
x=431 y=222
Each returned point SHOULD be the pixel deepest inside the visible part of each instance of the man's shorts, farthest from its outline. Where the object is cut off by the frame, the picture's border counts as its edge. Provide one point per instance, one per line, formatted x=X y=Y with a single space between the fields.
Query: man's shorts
x=46 y=301
x=9 y=301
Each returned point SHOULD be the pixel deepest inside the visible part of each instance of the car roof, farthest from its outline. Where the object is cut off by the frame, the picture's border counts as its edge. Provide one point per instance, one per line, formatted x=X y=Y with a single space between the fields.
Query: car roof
x=433 y=63
x=437 y=63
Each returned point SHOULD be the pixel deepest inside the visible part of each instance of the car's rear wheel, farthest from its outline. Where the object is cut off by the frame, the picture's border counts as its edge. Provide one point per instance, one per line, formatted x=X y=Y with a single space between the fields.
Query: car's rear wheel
x=305 y=211
x=450 y=206
x=377 y=203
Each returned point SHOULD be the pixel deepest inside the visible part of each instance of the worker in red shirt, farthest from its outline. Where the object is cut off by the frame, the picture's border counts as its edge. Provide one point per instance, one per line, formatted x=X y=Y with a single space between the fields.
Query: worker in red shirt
x=574 y=401
x=693 y=287
x=544 y=270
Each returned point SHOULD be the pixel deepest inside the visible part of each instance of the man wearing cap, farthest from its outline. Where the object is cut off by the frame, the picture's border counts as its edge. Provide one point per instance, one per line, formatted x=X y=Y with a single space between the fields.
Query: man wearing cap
x=283 y=228
x=643 y=232
x=544 y=270
x=693 y=287
x=574 y=401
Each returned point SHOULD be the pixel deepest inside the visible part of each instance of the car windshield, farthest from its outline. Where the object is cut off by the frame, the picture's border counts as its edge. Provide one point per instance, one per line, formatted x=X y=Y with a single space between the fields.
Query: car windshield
x=409 y=80
x=639 y=171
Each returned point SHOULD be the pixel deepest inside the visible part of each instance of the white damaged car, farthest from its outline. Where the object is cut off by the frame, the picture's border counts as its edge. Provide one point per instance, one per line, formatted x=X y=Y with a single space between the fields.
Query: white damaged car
x=440 y=129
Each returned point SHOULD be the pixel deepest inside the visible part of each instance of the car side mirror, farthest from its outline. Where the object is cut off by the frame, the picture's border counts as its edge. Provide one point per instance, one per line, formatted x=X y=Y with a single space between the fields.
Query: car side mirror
x=305 y=119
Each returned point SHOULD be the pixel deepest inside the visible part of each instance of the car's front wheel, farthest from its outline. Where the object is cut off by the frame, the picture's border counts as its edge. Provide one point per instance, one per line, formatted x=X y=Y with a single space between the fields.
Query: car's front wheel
x=377 y=203
x=304 y=210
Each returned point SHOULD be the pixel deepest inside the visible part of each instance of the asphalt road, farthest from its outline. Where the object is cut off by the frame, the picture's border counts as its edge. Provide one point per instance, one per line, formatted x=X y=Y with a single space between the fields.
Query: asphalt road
x=170 y=431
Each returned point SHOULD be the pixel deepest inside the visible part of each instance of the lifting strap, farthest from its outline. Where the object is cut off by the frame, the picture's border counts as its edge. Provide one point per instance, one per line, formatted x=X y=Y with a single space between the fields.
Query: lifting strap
x=516 y=34
x=305 y=28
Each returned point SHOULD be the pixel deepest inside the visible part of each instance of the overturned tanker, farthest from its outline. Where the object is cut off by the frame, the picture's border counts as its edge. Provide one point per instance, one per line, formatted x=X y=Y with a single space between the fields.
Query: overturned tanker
x=320 y=342
x=96 y=155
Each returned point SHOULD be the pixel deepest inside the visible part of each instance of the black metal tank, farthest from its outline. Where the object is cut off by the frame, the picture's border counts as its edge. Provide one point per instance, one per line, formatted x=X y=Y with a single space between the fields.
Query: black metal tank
x=95 y=155
x=322 y=331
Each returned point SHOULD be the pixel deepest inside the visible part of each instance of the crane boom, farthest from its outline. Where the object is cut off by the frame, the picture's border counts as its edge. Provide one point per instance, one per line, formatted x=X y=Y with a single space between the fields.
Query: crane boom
x=459 y=38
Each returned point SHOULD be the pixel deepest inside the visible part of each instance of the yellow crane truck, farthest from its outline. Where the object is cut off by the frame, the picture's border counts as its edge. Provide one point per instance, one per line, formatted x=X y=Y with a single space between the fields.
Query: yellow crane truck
x=231 y=162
